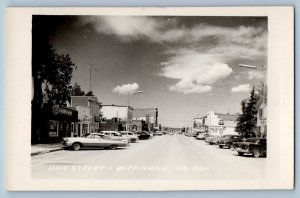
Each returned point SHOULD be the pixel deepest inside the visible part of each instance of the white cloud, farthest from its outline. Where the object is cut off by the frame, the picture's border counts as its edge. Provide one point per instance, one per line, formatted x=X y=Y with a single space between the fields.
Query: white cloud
x=125 y=89
x=241 y=88
x=237 y=40
x=255 y=75
x=198 y=55
x=196 y=72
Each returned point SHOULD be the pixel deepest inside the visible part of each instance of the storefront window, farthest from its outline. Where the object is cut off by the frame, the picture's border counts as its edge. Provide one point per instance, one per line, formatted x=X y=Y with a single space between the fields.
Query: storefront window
x=53 y=128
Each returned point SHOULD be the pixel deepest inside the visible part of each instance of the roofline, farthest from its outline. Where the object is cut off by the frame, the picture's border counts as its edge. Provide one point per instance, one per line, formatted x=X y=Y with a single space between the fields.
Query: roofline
x=113 y=105
x=147 y=108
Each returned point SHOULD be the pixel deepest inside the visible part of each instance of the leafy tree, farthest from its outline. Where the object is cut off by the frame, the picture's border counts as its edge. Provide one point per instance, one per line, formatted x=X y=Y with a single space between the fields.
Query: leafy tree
x=246 y=122
x=51 y=74
x=76 y=90
x=90 y=93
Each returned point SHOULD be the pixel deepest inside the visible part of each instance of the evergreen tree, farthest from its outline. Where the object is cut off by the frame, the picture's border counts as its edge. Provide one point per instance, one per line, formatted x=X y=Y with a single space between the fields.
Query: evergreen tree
x=241 y=120
x=246 y=122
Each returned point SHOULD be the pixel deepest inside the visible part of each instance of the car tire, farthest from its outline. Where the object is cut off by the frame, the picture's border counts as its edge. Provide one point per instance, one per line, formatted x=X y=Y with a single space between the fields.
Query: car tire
x=256 y=152
x=221 y=146
x=113 y=147
x=76 y=146
x=240 y=153
x=133 y=140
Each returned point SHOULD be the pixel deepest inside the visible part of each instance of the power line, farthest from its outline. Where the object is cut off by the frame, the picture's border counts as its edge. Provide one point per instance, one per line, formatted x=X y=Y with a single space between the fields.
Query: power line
x=84 y=57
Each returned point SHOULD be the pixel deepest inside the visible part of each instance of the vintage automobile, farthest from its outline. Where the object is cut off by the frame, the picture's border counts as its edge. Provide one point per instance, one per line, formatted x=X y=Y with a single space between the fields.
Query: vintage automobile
x=158 y=133
x=132 y=137
x=255 y=146
x=114 y=135
x=228 y=140
x=189 y=134
x=212 y=139
x=143 y=135
x=202 y=136
x=93 y=140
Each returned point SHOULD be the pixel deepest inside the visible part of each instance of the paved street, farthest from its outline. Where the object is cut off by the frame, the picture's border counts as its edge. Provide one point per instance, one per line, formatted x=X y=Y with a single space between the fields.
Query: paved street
x=162 y=157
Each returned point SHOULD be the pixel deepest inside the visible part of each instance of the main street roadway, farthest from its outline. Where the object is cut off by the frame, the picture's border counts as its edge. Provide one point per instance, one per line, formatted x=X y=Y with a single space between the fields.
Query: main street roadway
x=161 y=157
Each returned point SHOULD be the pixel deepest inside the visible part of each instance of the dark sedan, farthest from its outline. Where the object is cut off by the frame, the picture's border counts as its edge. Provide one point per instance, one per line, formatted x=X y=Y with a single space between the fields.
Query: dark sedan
x=143 y=135
x=228 y=140
x=255 y=146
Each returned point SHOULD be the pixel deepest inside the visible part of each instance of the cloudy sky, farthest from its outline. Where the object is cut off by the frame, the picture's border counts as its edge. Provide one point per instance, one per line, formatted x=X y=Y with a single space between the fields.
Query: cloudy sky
x=182 y=64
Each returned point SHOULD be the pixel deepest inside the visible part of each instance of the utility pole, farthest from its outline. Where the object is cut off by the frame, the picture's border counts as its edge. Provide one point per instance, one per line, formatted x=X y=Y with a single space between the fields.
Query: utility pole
x=90 y=78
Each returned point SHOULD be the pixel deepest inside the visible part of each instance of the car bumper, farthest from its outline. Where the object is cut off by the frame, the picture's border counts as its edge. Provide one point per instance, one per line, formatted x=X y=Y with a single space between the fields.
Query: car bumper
x=66 y=144
x=224 y=144
x=242 y=150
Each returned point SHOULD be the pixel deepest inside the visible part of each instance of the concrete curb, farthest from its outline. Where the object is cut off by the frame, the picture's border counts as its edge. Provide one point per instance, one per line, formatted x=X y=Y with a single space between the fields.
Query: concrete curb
x=47 y=151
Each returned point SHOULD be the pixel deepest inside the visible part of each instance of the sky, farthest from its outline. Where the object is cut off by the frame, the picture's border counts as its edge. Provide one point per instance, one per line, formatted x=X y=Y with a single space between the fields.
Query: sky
x=185 y=66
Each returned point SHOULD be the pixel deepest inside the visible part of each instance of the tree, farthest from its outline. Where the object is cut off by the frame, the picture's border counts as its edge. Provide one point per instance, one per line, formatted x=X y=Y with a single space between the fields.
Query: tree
x=90 y=93
x=246 y=122
x=241 y=120
x=51 y=73
x=76 y=90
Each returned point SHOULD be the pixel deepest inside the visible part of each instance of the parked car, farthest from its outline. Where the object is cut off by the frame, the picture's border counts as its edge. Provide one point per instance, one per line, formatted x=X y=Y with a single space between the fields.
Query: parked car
x=202 y=136
x=188 y=134
x=93 y=140
x=171 y=133
x=115 y=135
x=212 y=139
x=227 y=140
x=143 y=135
x=255 y=146
x=158 y=133
x=128 y=134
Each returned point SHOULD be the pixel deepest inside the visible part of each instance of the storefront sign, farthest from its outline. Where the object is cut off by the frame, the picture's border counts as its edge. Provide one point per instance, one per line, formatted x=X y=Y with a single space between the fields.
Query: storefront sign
x=100 y=119
x=65 y=112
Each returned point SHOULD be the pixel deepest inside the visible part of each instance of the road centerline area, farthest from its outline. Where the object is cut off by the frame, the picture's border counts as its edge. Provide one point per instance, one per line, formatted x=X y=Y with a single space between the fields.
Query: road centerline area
x=161 y=157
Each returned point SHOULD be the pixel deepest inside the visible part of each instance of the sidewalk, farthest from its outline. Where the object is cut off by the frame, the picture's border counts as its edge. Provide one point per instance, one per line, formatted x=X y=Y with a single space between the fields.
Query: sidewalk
x=37 y=149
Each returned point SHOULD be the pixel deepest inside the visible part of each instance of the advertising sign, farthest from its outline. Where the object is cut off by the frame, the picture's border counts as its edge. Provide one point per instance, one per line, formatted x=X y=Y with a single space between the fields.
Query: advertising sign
x=53 y=128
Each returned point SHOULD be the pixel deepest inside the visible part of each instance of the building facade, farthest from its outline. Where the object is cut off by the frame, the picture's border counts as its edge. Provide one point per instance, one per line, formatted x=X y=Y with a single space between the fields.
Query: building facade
x=116 y=117
x=149 y=115
x=220 y=124
x=262 y=120
x=59 y=123
x=89 y=113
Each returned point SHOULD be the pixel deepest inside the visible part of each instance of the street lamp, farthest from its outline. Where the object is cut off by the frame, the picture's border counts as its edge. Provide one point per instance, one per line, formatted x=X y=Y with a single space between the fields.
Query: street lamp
x=130 y=93
x=251 y=66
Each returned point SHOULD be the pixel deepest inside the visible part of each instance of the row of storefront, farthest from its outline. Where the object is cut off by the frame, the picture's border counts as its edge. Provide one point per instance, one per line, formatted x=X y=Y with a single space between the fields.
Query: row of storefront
x=223 y=124
x=84 y=114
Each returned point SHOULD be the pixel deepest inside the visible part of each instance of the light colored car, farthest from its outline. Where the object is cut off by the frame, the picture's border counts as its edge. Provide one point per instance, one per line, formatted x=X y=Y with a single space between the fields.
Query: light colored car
x=115 y=135
x=202 y=136
x=93 y=140
x=132 y=137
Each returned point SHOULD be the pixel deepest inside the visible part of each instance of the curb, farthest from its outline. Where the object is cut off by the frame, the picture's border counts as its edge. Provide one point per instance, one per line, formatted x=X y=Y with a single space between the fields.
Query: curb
x=47 y=151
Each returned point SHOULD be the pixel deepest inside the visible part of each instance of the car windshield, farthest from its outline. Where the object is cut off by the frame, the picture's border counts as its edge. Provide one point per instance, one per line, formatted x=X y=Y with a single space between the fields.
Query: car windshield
x=90 y=136
x=105 y=137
